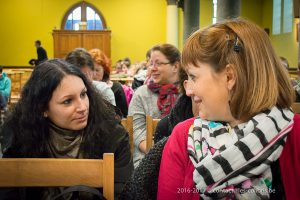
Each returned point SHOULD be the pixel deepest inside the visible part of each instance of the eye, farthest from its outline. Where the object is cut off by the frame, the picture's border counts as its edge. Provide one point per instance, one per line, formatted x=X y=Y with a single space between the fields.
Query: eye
x=67 y=101
x=192 y=77
x=83 y=94
x=158 y=63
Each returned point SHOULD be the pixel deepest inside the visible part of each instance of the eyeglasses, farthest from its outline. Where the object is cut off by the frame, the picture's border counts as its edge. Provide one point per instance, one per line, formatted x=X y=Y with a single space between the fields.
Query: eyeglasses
x=158 y=64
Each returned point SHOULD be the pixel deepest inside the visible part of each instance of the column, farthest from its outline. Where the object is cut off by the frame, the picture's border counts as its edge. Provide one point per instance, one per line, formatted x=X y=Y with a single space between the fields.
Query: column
x=191 y=11
x=172 y=22
x=228 y=9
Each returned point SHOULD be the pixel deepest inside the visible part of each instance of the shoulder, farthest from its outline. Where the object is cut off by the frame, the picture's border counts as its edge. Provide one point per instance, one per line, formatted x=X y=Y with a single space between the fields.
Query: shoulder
x=178 y=138
x=100 y=84
x=118 y=136
x=297 y=120
x=6 y=78
x=116 y=86
x=102 y=87
x=295 y=133
x=184 y=126
x=142 y=90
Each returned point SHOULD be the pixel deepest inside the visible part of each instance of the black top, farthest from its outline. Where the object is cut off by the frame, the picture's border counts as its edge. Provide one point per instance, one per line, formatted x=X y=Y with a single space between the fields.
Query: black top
x=117 y=143
x=42 y=55
x=144 y=180
x=181 y=111
x=120 y=98
x=137 y=83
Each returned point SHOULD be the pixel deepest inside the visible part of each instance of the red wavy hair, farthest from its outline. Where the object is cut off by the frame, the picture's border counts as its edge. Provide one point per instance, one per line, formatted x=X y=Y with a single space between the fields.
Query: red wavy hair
x=100 y=58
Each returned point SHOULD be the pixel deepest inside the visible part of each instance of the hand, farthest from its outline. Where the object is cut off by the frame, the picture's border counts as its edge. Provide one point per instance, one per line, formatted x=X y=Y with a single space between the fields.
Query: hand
x=143 y=146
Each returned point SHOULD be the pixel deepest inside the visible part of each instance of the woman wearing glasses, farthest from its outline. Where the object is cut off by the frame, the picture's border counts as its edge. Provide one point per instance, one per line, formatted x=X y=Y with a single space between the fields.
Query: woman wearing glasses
x=157 y=97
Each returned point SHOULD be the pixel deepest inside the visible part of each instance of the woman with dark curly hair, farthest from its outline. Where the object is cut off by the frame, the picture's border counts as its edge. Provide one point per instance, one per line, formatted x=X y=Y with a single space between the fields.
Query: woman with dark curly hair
x=60 y=115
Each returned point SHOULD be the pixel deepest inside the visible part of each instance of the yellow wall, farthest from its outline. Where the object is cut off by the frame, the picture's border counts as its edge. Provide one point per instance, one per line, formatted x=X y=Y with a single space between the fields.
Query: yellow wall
x=252 y=9
x=285 y=44
x=206 y=13
x=180 y=28
x=136 y=26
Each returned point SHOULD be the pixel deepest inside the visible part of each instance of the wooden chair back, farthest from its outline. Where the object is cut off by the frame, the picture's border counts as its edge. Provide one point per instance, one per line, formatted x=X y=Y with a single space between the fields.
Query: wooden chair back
x=128 y=124
x=296 y=107
x=150 y=130
x=56 y=172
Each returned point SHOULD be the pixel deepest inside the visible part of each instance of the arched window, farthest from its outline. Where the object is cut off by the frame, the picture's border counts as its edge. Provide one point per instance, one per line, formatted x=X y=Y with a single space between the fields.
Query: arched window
x=83 y=16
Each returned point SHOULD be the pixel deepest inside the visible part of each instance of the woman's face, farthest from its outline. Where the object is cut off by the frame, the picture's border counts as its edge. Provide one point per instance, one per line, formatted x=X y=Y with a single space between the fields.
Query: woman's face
x=124 y=68
x=69 y=106
x=162 y=71
x=88 y=72
x=98 y=75
x=210 y=91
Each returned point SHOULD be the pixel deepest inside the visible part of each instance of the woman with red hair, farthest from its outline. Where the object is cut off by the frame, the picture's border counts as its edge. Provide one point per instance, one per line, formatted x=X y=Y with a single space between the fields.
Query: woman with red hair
x=102 y=73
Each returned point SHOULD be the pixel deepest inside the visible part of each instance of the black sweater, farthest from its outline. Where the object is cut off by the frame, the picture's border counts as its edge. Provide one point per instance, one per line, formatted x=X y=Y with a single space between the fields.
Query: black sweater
x=181 y=111
x=120 y=98
x=117 y=143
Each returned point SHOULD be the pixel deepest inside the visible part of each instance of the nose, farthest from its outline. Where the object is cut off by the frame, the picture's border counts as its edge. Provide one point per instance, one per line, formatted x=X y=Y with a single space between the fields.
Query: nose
x=81 y=106
x=152 y=68
x=189 y=89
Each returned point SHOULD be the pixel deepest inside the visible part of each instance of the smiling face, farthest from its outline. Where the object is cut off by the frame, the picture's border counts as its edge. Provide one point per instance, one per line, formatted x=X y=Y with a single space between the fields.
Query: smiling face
x=210 y=91
x=69 y=105
x=162 y=71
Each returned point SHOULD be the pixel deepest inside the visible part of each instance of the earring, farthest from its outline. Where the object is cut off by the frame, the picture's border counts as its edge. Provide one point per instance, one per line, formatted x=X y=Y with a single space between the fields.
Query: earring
x=45 y=114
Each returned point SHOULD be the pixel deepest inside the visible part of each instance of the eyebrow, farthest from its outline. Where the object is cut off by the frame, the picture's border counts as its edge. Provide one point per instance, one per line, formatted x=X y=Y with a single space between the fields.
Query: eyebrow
x=70 y=95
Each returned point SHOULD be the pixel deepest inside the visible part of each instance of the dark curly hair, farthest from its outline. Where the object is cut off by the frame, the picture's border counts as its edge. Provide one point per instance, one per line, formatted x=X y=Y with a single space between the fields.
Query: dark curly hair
x=26 y=129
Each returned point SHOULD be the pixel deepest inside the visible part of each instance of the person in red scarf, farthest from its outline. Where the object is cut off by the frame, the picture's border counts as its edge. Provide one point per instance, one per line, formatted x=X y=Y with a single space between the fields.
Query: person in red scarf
x=157 y=97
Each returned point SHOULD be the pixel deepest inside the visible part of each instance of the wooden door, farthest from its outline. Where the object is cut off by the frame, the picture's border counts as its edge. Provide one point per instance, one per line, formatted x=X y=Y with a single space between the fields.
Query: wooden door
x=66 y=40
x=100 y=40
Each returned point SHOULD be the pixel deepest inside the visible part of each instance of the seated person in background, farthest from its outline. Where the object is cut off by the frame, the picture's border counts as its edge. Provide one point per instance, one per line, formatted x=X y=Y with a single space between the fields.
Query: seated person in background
x=118 y=67
x=122 y=67
x=141 y=75
x=5 y=89
x=231 y=150
x=125 y=64
x=82 y=59
x=158 y=97
x=184 y=109
x=60 y=115
x=102 y=66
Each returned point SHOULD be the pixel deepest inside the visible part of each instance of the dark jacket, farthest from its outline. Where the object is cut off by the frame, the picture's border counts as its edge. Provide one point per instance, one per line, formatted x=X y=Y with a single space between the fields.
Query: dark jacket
x=180 y=112
x=42 y=55
x=144 y=180
x=120 y=98
x=117 y=143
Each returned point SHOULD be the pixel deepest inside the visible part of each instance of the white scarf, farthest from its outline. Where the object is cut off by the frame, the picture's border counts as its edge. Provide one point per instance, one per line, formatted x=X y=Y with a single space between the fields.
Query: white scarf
x=235 y=163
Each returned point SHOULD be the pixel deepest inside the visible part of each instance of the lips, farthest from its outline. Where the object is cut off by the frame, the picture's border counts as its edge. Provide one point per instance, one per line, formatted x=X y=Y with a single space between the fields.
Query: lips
x=197 y=100
x=154 y=75
x=81 y=118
